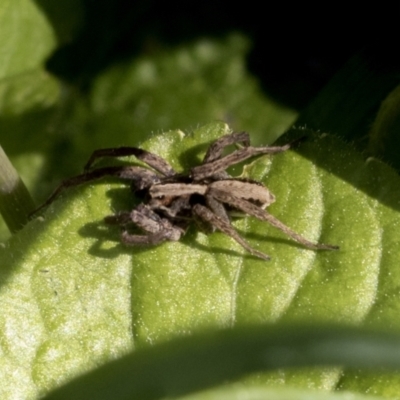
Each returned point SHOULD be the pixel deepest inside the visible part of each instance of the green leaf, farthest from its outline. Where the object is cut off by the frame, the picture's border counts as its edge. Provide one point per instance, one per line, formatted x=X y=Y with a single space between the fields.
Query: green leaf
x=66 y=17
x=189 y=85
x=29 y=37
x=383 y=135
x=238 y=391
x=184 y=365
x=89 y=298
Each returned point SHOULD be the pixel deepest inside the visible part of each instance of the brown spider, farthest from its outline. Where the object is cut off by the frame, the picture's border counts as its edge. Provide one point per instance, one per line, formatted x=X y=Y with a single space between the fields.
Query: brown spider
x=171 y=201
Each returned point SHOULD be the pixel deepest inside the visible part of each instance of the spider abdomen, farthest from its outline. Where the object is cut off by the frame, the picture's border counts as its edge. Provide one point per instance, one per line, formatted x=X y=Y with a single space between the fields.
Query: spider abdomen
x=256 y=193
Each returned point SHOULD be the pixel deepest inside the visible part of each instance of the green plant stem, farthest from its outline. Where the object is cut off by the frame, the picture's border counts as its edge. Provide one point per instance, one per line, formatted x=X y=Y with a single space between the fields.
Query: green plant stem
x=15 y=201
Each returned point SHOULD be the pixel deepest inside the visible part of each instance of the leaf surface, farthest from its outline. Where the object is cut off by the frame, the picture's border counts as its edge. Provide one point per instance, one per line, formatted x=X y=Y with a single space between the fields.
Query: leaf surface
x=89 y=298
x=30 y=38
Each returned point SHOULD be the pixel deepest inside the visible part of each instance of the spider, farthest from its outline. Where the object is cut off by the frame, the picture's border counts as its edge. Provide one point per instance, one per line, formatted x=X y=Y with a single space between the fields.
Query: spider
x=207 y=194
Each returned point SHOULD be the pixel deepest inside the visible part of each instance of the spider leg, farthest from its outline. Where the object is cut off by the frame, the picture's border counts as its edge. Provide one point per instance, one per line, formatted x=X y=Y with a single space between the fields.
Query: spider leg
x=202 y=225
x=217 y=208
x=213 y=167
x=141 y=176
x=158 y=228
x=259 y=213
x=144 y=240
x=173 y=208
x=215 y=150
x=153 y=160
x=151 y=222
x=224 y=226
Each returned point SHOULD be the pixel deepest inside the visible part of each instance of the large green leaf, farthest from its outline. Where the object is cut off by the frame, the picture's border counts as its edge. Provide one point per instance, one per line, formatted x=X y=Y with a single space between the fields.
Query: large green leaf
x=79 y=297
x=184 y=365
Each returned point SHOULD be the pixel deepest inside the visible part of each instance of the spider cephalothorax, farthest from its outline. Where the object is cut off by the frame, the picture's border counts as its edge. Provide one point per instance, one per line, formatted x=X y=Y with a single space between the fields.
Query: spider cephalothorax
x=207 y=194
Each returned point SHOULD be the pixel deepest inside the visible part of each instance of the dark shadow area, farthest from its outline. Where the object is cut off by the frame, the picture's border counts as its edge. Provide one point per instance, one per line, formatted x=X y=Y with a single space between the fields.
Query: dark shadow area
x=105 y=233
x=348 y=104
x=34 y=120
x=190 y=240
x=295 y=50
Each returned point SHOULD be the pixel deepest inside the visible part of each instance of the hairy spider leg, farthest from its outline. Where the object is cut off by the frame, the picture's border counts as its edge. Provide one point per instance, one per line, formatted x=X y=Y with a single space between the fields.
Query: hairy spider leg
x=211 y=168
x=158 y=229
x=142 y=216
x=147 y=240
x=217 y=208
x=225 y=227
x=153 y=160
x=172 y=208
x=259 y=213
x=132 y=173
x=148 y=220
x=214 y=152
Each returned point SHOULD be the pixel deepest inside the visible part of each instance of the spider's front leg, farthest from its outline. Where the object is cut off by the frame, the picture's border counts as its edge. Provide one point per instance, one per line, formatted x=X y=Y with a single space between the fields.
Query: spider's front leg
x=214 y=152
x=219 y=165
x=151 y=159
x=140 y=177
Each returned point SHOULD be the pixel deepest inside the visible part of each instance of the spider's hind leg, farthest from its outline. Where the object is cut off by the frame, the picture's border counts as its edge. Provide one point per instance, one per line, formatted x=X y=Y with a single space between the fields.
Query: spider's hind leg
x=218 y=209
x=224 y=226
x=261 y=214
